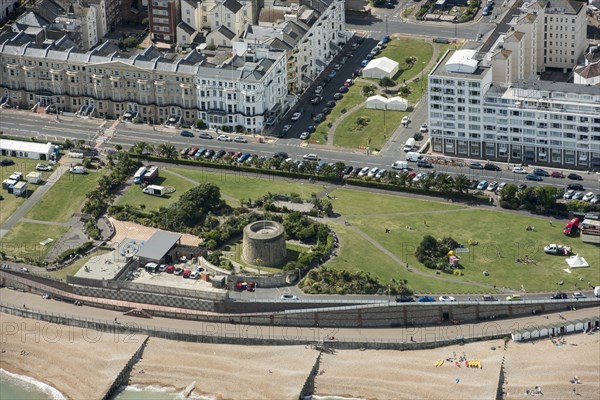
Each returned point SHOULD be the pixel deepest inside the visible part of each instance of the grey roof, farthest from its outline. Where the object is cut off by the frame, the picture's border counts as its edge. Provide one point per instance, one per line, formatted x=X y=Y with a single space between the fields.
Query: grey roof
x=562 y=87
x=31 y=18
x=565 y=6
x=158 y=245
x=223 y=30
x=441 y=70
x=186 y=28
x=589 y=71
x=232 y=5
x=192 y=3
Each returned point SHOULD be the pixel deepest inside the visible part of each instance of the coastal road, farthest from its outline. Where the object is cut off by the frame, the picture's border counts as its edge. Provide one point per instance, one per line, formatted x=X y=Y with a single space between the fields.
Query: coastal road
x=36 y=302
x=15 y=123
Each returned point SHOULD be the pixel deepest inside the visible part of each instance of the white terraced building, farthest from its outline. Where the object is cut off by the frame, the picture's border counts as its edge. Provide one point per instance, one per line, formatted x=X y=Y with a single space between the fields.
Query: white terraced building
x=526 y=121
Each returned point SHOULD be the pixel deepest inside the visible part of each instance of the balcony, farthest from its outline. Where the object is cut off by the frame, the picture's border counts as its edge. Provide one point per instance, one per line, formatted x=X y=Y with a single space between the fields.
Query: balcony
x=28 y=67
x=98 y=76
x=115 y=78
x=72 y=73
x=12 y=66
x=54 y=71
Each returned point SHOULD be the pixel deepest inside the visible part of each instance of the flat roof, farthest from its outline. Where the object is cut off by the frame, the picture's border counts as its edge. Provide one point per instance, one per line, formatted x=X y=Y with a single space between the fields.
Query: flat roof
x=15 y=145
x=158 y=245
x=103 y=266
x=442 y=70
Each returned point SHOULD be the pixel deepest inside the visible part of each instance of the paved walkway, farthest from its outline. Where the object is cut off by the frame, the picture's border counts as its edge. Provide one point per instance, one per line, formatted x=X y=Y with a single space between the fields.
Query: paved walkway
x=36 y=221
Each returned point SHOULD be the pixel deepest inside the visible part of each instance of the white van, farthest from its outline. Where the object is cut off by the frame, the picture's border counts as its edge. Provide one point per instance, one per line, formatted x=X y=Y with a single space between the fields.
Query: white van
x=409 y=145
x=400 y=165
x=75 y=154
x=78 y=169
x=414 y=157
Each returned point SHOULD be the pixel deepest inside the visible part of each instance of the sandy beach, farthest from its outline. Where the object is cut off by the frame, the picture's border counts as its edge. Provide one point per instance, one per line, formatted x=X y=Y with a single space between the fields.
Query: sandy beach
x=81 y=364
x=226 y=371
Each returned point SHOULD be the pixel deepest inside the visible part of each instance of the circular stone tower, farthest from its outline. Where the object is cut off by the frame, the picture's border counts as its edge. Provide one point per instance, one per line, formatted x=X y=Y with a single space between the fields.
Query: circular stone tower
x=264 y=244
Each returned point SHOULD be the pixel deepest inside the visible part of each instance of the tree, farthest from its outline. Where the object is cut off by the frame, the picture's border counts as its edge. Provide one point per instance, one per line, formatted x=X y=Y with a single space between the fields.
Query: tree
x=368 y=90
x=193 y=206
x=386 y=82
x=200 y=124
x=461 y=183
x=142 y=148
x=146 y=21
x=168 y=151
x=129 y=42
x=118 y=147
x=404 y=90
x=444 y=182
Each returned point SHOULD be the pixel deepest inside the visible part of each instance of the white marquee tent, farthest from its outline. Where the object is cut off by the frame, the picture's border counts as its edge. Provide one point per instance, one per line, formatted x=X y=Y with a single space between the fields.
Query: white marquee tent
x=577 y=261
x=378 y=102
x=380 y=67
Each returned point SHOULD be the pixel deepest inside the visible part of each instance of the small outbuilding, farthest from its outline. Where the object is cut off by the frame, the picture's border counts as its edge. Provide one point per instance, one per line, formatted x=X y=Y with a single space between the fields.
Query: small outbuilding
x=377 y=102
x=380 y=68
x=34 y=177
x=20 y=188
x=157 y=247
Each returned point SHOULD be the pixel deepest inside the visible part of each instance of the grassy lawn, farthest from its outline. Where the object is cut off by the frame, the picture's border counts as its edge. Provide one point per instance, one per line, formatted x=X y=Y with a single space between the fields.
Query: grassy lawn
x=349 y=201
x=64 y=198
x=400 y=49
x=11 y=202
x=354 y=256
x=374 y=135
x=233 y=251
x=502 y=238
x=135 y=197
x=23 y=240
x=240 y=185
x=350 y=99
x=72 y=269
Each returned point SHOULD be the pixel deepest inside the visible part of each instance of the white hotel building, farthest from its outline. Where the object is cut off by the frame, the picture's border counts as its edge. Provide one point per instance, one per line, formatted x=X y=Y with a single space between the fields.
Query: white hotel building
x=525 y=121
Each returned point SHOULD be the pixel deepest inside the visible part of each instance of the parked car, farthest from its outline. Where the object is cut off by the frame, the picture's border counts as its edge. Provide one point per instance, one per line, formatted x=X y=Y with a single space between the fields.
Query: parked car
x=43 y=167
x=491 y=167
x=578 y=196
x=513 y=297
x=557 y=174
x=575 y=186
x=285 y=130
x=405 y=299
x=501 y=186
x=519 y=170
x=338 y=96
x=426 y=299
x=195 y=275
x=424 y=128
x=330 y=104
x=224 y=138
x=364 y=63
x=348 y=82
x=332 y=74
x=575 y=177
x=170 y=269
x=296 y=116
x=380 y=174
x=319 y=118
x=533 y=177
x=304 y=135
x=316 y=100
x=418 y=136
x=588 y=196
x=209 y=154
x=364 y=171
x=424 y=164
x=540 y=172
x=318 y=90
x=482 y=185
x=559 y=296
x=522 y=186
x=219 y=154
x=289 y=297
x=446 y=298
x=596 y=199
x=569 y=194
x=343 y=89
x=487 y=297
x=240 y=139
x=475 y=165
x=205 y=135
x=372 y=172
x=186 y=273
x=186 y=134
x=178 y=271
x=6 y=163
x=579 y=295
x=492 y=186
x=474 y=183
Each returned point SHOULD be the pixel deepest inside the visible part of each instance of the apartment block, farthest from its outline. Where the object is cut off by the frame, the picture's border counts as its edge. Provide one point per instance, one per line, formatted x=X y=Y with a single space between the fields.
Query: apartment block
x=524 y=121
x=240 y=91
x=164 y=17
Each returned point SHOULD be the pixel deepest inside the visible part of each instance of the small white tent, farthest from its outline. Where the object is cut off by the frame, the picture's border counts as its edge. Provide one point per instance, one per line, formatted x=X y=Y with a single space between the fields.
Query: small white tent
x=380 y=67
x=397 y=103
x=377 y=102
x=577 y=262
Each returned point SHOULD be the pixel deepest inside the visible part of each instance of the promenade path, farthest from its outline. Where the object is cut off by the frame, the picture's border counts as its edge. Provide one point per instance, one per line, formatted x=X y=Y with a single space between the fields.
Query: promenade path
x=423 y=334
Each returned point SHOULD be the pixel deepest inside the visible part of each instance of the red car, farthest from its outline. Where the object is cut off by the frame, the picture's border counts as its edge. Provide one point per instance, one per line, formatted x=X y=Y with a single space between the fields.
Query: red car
x=186 y=273
x=193 y=151
x=348 y=83
x=170 y=269
x=556 y=174
x=251 y=287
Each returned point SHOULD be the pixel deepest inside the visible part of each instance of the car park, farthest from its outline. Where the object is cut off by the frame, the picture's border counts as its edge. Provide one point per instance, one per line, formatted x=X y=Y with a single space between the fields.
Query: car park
x=533 y=177
x=364 y=171
x=519 y=170
x=492 y=186
x=289 y=297
x=482 y=185
x=475 y=165
x=240 y=139
x=446 y=298
x=575 y=177
x=43 y=167
x=343 y=89
x=224 y=138
x=205 y=135
x=426 y=299
x=557 y=174
x=296 y=116
x=540 y=172
x=405 y=299
x=575 y=186
x=588 y=196
x=186 y=134
x=491 y=167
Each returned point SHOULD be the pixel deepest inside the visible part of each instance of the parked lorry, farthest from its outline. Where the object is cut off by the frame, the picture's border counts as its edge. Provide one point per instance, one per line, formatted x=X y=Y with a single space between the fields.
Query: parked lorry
x=154 y=190
x=137 y=178
x=150 y=175
x=414 y=156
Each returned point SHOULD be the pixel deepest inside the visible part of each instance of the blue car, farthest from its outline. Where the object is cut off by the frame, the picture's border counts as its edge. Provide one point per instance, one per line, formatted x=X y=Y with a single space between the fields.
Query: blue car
x=311 y=129
x=426 y=299
x=332 y=74
x=533 y=177
x=243 y=157
x=186 y=134
x=364 y=63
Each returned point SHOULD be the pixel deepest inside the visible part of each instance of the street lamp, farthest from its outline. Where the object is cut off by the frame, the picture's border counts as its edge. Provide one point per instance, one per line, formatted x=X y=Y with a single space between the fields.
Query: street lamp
x=386 y=25
x=422 y=65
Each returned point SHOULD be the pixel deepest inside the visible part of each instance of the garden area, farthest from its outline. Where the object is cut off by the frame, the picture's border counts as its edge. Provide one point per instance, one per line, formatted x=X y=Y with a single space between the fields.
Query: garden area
x=411 y=54
x=24 y=240
x=367 y=128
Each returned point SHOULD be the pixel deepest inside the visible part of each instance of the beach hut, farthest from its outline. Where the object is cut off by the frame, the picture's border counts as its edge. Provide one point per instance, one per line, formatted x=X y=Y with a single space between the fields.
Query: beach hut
x=377 y=102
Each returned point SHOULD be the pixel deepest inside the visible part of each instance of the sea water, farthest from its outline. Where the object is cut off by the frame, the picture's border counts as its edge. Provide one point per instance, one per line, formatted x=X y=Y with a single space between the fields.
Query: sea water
x=19 y=387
